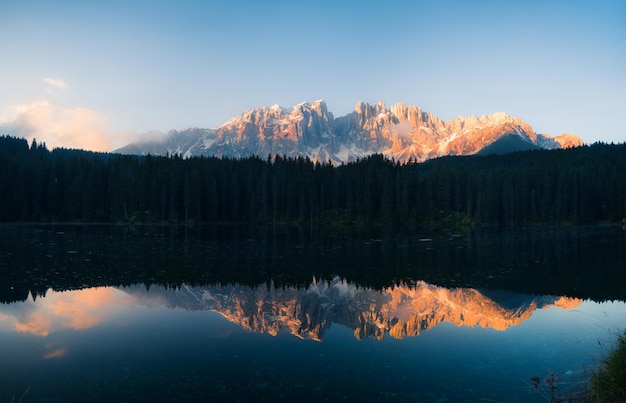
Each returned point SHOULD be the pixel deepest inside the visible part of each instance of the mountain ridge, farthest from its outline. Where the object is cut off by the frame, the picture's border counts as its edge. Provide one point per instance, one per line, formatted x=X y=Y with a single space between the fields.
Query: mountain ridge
x=308 y=129
x=400 y=311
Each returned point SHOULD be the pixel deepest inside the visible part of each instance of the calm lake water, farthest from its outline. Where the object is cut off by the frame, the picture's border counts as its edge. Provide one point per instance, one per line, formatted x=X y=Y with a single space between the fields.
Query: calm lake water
x=118 y=313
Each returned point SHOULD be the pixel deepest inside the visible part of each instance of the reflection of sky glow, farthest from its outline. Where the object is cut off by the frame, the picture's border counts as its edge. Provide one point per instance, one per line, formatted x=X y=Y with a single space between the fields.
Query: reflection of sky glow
x=153 y=344
x=87 y=308
x=69 y=310
x=58 y=353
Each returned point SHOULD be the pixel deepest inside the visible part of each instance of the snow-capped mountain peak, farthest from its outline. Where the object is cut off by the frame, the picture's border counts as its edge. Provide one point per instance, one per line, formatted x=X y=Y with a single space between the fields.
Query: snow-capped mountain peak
x=308 y=129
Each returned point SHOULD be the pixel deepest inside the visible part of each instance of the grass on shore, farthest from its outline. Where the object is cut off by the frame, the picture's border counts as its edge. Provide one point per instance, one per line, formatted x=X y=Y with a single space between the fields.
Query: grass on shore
x=608 y=382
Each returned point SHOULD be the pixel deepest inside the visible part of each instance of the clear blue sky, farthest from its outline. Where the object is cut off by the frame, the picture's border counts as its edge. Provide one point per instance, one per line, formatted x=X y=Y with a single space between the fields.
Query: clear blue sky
x=94 y=74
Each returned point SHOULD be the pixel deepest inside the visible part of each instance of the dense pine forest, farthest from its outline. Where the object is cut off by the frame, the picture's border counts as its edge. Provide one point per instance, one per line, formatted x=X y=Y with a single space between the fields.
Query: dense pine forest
x=582 y=185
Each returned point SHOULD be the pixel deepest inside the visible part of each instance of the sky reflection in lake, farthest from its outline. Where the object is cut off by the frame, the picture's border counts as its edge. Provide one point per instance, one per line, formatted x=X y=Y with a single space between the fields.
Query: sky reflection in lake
x=328 y=340
x=224 y=313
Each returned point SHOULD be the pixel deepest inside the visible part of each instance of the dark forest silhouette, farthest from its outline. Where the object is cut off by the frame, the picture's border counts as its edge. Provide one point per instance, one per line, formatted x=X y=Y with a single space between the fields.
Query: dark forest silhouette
x=574 y=186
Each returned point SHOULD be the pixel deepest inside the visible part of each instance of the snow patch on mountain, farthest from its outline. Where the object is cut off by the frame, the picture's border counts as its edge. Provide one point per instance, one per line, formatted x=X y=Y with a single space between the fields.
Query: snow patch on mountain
x=308 y=129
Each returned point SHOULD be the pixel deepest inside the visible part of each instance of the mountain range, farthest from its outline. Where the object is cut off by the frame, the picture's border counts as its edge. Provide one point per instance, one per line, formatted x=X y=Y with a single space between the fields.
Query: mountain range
x=401 y=132
x=399 y=311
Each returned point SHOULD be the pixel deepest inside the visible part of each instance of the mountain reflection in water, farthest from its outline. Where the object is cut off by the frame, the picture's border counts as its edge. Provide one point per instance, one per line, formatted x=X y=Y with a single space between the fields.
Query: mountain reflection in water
x=402 y=310
x=305 y=312
x=118 y=313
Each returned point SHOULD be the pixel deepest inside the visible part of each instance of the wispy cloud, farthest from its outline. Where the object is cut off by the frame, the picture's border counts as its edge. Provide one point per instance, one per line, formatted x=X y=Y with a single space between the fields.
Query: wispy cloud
x=34 y=323
x=56 y=82
x=58 y=127
x=58 y=353
x=79 y=309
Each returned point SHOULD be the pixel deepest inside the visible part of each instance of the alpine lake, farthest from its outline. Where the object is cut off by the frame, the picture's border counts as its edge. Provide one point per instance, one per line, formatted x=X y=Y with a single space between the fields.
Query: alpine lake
x=227 y=313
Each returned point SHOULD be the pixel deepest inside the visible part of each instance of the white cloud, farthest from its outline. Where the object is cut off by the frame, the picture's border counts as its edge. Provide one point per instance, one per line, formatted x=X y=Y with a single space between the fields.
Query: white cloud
x=56 y=82
x=402 y=129
x=58 y=127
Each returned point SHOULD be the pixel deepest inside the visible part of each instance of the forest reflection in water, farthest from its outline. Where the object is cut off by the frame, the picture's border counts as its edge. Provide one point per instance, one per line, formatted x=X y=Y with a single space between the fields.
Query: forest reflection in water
x=236 y=342
x=110 y=313
x=577 y=262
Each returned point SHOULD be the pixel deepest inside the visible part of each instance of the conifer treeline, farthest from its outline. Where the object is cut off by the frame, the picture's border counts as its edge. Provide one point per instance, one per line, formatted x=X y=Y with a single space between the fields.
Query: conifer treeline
x=581 y=185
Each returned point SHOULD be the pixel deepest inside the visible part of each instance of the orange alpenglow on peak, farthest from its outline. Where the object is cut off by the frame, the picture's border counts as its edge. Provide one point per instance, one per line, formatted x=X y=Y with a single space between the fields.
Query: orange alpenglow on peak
x=398 y=311
x=402 y=132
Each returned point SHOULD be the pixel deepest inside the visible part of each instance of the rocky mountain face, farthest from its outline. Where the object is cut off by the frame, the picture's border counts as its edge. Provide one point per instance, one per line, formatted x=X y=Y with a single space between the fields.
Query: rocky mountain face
x=398 y=311
x=402 y=132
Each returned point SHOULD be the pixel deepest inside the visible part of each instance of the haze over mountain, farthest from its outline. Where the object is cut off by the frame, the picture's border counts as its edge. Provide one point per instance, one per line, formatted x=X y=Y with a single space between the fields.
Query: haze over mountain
x=402 y=132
